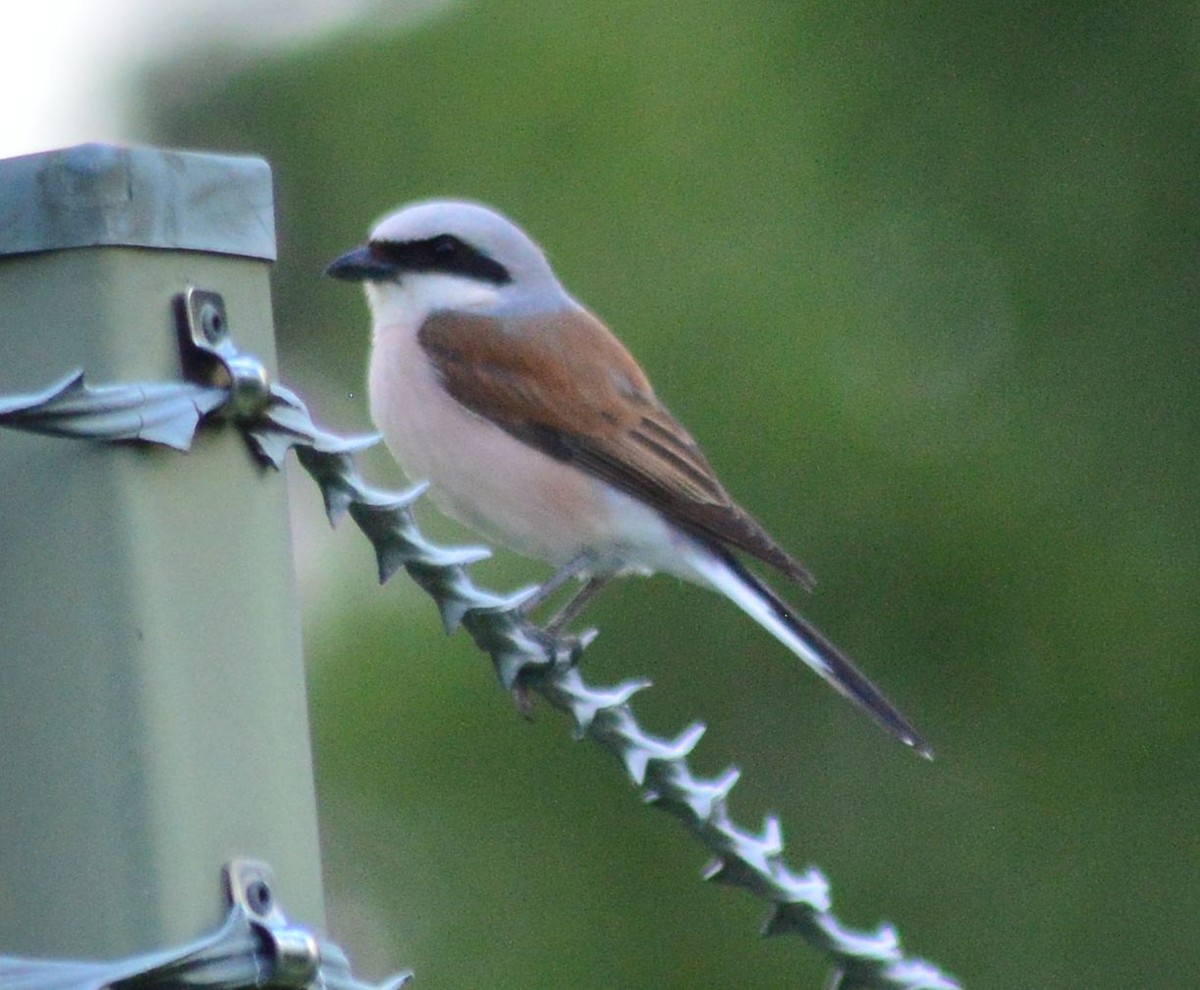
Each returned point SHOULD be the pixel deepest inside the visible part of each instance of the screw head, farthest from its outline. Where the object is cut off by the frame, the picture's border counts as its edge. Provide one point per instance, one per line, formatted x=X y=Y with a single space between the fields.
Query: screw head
x=212 y=323
x=258 y=896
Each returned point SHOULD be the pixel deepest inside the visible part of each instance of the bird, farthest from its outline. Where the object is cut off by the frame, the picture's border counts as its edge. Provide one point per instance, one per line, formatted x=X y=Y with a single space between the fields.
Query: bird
x=534 y=425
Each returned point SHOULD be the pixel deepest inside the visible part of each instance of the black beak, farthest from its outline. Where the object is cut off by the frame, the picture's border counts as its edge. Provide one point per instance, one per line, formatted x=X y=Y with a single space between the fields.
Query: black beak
x=362 y=265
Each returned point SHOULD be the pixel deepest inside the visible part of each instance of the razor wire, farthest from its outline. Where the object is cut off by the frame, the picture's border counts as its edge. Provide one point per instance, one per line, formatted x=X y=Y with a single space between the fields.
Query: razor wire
x=273 y=421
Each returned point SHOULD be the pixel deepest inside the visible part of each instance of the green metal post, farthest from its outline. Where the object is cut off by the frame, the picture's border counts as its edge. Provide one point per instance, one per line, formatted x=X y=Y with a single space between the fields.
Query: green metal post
x=152 y=700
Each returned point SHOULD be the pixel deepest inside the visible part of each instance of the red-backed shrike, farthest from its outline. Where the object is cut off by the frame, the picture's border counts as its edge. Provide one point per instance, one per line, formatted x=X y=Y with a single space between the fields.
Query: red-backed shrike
x=534 y=426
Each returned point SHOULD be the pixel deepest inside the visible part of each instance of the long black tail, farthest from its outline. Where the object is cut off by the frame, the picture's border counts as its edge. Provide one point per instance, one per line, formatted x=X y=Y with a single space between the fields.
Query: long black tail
x=760 y=601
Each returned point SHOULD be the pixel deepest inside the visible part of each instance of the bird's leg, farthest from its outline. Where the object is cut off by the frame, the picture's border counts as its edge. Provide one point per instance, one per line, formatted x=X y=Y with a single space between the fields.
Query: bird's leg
x=572 y=568
x=576 y=604
x=569 y=611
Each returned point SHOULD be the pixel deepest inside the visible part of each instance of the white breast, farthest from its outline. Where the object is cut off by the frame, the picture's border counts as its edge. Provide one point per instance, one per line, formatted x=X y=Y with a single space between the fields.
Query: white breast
x=497 y=485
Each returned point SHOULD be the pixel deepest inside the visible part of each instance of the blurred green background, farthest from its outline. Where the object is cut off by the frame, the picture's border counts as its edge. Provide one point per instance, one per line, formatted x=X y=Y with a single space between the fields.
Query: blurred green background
x=923 y=279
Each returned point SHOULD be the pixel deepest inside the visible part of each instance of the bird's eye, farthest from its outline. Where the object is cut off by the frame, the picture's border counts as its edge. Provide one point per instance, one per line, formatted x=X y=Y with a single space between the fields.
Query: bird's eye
x=445 y=246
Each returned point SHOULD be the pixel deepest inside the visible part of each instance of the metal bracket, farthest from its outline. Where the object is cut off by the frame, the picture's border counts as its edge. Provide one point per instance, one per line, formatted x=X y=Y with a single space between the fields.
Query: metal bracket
x=221 y=381
x=256 y=946
x=210 y=357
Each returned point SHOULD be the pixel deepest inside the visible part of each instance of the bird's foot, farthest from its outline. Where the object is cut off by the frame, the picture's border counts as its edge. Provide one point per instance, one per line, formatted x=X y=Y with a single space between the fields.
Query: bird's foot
x=547 y=588
x=574 y=606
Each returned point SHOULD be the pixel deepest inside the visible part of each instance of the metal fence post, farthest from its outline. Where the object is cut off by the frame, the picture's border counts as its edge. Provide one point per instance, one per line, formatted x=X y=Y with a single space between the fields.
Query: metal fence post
x=152 y=699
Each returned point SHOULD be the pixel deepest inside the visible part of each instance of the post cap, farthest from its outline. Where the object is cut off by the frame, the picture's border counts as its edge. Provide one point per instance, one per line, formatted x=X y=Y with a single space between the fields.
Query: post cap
x=103 y=194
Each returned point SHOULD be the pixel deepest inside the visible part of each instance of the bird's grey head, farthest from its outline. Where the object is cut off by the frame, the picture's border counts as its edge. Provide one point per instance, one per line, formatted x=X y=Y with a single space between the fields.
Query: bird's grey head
x=452 y=253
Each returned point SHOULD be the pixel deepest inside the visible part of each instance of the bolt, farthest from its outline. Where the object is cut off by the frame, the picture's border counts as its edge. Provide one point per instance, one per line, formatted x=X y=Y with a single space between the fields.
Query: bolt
x=258 y=896
x=212 y=322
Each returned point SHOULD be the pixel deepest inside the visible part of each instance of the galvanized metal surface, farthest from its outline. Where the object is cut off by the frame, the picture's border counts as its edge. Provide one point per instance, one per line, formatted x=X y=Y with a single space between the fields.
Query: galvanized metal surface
x=256 y=945
x=93 y=195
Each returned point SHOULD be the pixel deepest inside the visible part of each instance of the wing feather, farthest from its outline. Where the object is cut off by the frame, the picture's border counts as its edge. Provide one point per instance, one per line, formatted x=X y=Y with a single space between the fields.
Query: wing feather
x=566 y=386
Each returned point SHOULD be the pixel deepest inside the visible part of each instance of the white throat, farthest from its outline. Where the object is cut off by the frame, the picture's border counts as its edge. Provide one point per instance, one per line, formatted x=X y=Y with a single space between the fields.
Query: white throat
x=410 y=301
